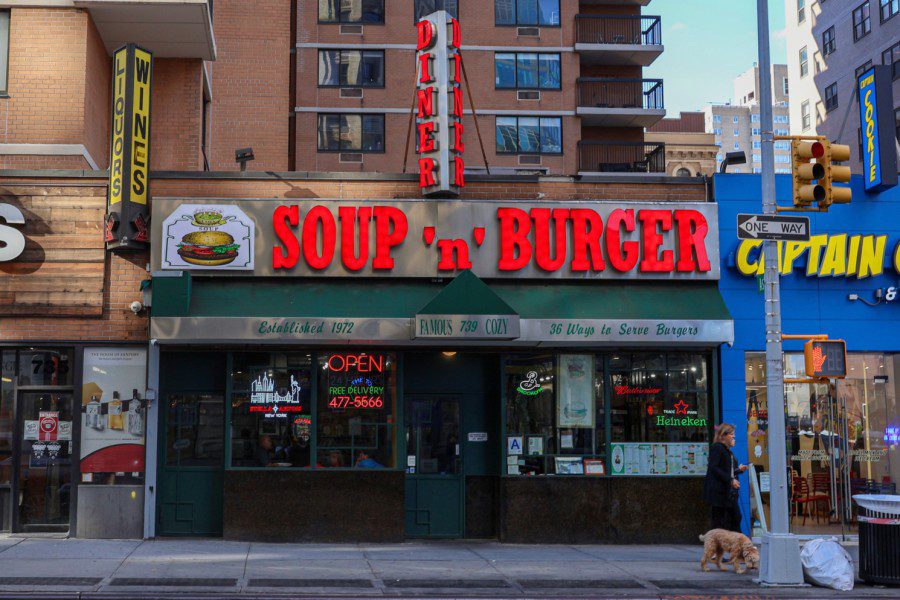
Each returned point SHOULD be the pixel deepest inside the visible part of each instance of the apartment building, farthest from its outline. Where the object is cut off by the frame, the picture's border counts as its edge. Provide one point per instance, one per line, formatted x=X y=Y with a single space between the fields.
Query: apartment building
x=736 y=126
x=690 y=150
x=323 y=86
x=829 y=44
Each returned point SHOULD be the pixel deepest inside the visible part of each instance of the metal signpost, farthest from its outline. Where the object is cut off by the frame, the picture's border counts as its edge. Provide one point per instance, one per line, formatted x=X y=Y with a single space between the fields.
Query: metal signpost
x=780 y=563
x=773 y=228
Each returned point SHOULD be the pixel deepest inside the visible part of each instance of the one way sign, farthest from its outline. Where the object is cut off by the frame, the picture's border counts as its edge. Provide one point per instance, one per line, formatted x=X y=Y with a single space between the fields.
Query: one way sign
x=773 y=227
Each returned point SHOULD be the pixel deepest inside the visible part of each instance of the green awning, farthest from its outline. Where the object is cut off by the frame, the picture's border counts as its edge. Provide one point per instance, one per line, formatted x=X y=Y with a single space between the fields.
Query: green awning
x=181 y=304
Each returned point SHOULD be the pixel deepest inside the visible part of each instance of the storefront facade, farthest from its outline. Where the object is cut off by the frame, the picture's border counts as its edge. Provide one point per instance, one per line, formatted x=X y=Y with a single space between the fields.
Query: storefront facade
x=72 y=412
x=533 y=371
x=842 y=435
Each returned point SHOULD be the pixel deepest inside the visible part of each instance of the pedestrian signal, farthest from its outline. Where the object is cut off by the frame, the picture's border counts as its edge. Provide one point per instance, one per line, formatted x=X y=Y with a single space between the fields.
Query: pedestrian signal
x=826 y=358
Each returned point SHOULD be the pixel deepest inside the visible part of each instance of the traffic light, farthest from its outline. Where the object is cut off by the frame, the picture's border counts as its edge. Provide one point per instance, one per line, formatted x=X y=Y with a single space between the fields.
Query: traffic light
x=835 y=173
x=805 y=172
x=826 y=358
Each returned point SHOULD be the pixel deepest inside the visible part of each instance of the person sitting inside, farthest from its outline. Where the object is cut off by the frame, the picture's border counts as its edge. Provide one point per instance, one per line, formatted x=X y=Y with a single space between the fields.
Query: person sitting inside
x=364 y=462
x=264 y=451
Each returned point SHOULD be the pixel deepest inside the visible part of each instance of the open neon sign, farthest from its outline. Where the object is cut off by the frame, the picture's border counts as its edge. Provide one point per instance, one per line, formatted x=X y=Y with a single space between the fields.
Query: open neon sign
x=356 y=381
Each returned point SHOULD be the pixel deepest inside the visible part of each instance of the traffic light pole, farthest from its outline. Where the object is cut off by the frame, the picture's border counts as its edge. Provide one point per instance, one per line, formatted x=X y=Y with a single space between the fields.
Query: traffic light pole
x=780 y=563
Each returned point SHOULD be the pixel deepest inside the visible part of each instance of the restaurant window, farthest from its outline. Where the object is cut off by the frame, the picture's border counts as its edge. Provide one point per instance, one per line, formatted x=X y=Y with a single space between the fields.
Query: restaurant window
x=526 y=70
x=555 y=418
x=356 y=410
x=544 y=13
x=7 y=401
x=804 y=62
x=891 y=58
x=889 y=8
x=351 y=11
x=44 y=367
x=831 y=97
x=351 y=68
x=862 y=22
x=828 y=45
x=351 y=132
x=271 y=410
x=529 y=135
x=423 y=8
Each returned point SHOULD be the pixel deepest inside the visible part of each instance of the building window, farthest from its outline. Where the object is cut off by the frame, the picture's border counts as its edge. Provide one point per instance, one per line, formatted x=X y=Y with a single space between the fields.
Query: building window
x=782 y=158
x=717 y=131
x=783 y=171
x=737 y=146
x=426 y=7
x=529 y=135
x=351 y=11
x=354 y=68
x=757 y=145
x=828 y=41
x=717 y=118
x=754 y=158
x=4 y=51
x=784 y=85
x=526 y=71
x=804 y=64
x=757 y=170
x=782 y=145
x=719 y=144
x=804 y=115
x=831 y=97
x=863 y=68
x=754 y=118
x=754 y=131
x=682 y=172
x=862 y=23
x=737 y=132
x=891 y=57
x=351 y=133
x=801 y=11
x=781 y=132
x=736 y=119
x=527 y=12
x=889 y=8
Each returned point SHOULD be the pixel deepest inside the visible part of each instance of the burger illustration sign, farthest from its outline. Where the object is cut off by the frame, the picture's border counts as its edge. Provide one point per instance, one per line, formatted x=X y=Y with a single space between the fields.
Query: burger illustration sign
x=203 y=236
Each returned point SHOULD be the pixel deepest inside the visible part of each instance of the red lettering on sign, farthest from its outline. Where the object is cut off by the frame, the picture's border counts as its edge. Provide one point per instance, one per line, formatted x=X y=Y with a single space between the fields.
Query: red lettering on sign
x=542 y=252
x=457 y=102
x=457 y=137
x=361 y=363
x=652 y=221
x=425 y=68
x=426 y=172
x=318 y=215
x=587 y=227
x=390 y=230
x=456 y=35
x=283 y=219
x=454 y=255
x=425 y=39
x=459 y=170
x=622 y=256
x=350 y=217
x=425 y=102
x=692 y=230
x=426 y=141
x=457 y=63
x=515 y=249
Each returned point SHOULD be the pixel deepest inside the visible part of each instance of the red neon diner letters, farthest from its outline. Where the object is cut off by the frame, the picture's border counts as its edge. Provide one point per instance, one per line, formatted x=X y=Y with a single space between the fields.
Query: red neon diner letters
x=653 y=240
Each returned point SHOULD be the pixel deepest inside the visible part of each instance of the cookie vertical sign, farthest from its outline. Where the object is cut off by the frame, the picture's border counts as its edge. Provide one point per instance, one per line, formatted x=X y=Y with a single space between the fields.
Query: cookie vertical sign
x=439 y=104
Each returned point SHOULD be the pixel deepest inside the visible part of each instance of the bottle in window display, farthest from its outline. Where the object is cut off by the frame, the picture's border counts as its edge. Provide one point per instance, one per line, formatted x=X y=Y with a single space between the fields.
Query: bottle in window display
x=92 y=414
x=115 y=419
x=135 y=417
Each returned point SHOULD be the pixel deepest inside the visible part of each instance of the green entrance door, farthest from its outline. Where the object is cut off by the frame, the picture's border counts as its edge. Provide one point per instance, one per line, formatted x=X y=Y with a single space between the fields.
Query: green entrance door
x=434 y=475
x=192 y=449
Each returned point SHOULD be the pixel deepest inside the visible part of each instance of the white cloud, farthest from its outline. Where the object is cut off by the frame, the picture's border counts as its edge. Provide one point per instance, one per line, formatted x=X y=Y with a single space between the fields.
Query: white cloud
x=780 y=34
x=678 y=26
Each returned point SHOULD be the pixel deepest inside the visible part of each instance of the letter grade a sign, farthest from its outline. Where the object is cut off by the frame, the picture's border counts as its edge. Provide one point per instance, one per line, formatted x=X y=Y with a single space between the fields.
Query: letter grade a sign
x=439 y=104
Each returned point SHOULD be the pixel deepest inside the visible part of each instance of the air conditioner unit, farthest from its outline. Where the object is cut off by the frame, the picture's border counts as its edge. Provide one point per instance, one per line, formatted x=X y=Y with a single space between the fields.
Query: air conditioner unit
x=529 y=31
x=529 y=95
x=352 y=29
x=351 y=93
x=351 y=157
x=529 y=159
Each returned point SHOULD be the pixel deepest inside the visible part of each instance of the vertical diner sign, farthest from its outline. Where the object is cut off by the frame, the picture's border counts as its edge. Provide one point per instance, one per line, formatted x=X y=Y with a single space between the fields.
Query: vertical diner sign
x=876 y=121
x=127 y=216
x=439 y=104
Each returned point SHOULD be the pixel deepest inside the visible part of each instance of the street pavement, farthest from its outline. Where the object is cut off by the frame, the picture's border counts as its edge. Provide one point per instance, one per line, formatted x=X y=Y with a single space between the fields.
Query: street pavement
x=169 y=568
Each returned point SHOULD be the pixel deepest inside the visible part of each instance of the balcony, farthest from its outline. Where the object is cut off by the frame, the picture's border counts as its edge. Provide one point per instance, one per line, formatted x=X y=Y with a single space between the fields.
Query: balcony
x=621 y=157
x=615 y=102
x=168 y=28
x=618 y=39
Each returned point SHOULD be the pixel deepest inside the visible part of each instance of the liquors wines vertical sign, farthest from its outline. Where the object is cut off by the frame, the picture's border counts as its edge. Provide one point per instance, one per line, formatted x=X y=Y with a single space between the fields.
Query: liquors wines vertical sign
x=439 y=109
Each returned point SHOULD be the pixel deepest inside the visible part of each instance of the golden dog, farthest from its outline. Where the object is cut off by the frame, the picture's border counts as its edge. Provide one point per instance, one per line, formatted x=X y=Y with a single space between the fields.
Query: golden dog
x=741 y=550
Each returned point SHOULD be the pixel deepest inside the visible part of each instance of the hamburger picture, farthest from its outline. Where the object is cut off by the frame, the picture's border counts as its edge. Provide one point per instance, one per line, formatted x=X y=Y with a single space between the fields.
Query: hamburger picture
x=208 y=248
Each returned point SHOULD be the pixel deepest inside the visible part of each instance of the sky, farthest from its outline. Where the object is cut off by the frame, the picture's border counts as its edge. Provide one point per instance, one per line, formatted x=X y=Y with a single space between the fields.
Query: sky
x=707 y=44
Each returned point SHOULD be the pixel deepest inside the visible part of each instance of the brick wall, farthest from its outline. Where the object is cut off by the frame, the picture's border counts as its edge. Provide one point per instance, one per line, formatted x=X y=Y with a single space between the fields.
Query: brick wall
x=250 y=91
x=97 y=96
x=176 y=105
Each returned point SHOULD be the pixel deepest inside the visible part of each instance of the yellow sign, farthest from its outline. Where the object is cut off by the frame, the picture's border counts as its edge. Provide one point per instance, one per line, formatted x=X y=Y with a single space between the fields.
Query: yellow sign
x=140 y=135
x=835 y=255
x=117 y=144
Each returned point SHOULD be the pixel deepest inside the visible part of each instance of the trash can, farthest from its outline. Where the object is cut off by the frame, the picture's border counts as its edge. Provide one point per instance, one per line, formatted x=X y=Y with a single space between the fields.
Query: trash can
x=879 y=538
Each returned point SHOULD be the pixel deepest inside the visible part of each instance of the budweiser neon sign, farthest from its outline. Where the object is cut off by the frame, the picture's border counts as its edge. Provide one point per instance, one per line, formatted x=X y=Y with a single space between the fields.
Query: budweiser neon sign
x=439 y=109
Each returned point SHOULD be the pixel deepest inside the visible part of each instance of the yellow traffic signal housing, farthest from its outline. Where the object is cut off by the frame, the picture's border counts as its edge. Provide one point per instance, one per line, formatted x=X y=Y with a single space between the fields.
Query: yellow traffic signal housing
x=825 y=358
x=805 y=172
x=835 y=174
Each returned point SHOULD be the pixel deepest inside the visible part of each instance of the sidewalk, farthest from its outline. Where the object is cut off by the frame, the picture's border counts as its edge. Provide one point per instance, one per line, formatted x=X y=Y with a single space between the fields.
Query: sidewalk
x=70 y=568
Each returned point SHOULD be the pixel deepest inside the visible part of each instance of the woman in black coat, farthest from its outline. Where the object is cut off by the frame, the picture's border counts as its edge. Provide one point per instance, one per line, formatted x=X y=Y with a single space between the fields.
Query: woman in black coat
x=721 y=487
